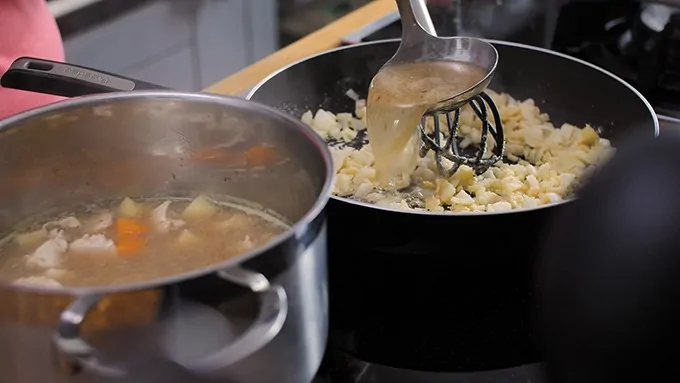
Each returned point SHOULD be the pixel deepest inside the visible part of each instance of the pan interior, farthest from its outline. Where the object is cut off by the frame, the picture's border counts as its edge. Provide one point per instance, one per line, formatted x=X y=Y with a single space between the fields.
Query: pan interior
x=568 y=90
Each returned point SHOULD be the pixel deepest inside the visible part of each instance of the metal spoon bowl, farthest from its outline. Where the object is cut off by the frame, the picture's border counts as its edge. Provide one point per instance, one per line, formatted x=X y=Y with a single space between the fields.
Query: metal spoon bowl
x=419 y=42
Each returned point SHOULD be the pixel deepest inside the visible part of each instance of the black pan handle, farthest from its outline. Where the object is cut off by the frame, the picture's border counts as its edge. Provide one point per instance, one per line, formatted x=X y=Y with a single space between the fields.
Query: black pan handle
x=61 y=79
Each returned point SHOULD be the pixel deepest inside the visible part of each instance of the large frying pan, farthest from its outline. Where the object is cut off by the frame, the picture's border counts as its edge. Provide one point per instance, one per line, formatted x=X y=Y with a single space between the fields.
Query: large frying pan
x=446 y=292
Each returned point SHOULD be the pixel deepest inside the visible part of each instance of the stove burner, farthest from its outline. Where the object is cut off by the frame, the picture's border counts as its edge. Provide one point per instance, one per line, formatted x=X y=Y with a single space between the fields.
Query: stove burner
x=640 y=44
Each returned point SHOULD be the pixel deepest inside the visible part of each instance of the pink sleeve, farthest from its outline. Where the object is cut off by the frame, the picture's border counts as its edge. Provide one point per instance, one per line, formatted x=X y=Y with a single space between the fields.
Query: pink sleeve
x=27 y=29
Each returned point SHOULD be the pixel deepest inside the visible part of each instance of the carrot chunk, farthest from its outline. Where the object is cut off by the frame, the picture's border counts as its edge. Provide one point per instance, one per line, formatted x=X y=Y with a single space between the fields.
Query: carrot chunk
x=130 y=236
x=261 y=155
x=131 y=226
x=129 y=244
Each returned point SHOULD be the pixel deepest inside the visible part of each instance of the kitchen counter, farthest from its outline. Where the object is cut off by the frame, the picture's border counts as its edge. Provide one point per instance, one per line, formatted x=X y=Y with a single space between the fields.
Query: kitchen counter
x=323 y=39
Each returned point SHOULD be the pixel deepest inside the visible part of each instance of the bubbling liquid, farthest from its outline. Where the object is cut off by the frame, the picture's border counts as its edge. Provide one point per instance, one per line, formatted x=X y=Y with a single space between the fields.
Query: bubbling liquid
x=398 y=97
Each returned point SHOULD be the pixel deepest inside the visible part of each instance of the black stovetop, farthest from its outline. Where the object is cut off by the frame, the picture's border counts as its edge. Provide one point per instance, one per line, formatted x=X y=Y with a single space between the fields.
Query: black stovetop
x=339 y=367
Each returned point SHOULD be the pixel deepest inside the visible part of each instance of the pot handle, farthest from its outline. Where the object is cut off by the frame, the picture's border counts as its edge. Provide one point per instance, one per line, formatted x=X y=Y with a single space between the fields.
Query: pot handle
x=67 y=338
x=270 y=320
x=268 y=324
x=67 y=80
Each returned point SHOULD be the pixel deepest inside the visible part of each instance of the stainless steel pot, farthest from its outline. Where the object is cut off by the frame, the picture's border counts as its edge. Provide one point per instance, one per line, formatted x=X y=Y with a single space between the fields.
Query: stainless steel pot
x=261 y=317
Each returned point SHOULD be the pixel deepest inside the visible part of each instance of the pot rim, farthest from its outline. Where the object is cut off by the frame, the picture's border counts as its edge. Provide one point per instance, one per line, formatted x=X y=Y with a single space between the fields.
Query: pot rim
x=642 y=98
x=295 y=230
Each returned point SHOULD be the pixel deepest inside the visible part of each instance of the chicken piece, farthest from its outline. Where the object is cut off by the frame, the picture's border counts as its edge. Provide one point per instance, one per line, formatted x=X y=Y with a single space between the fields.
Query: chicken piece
x=38 y=281
x=66 y=223
x=100 y=222
x=70 y=223
x=48 y=255
x=93 y=243
x=56 y=233
x=160 y=221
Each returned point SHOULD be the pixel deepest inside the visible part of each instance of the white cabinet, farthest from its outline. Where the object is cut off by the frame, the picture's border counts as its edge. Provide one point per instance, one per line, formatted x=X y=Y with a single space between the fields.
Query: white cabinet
x=175 y=71
x=182 y=44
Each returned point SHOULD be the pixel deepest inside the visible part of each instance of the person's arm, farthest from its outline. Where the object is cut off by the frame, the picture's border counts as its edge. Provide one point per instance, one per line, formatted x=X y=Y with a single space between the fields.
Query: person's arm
x=27 y=28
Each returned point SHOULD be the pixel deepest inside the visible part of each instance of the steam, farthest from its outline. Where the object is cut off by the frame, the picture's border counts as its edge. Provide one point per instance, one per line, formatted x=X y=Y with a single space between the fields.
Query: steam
x=497 y=19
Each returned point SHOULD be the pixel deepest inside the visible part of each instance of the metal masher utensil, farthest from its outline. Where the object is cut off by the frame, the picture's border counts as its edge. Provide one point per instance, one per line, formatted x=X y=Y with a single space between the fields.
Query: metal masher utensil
x=419 y=42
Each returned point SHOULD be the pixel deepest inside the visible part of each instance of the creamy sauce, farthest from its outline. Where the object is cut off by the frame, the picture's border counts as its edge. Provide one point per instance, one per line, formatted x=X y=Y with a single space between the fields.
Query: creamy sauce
x=398 y=97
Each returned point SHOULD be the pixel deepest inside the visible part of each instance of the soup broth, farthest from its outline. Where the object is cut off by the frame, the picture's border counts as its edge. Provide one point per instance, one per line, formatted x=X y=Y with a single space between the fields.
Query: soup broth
x=398 y=97
x=132 y=241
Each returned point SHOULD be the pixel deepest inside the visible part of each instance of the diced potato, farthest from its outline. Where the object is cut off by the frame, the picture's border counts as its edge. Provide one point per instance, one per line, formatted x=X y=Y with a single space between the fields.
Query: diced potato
x=308 y=118
x=465 y=175
x=589 y=136
x=201 y=208
x=463 y=198
x=445 y=191
x=30 y=239
x=499 y=207
x=432 y=203
x=187 y=238
x=130 y=209
x=548 y=162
